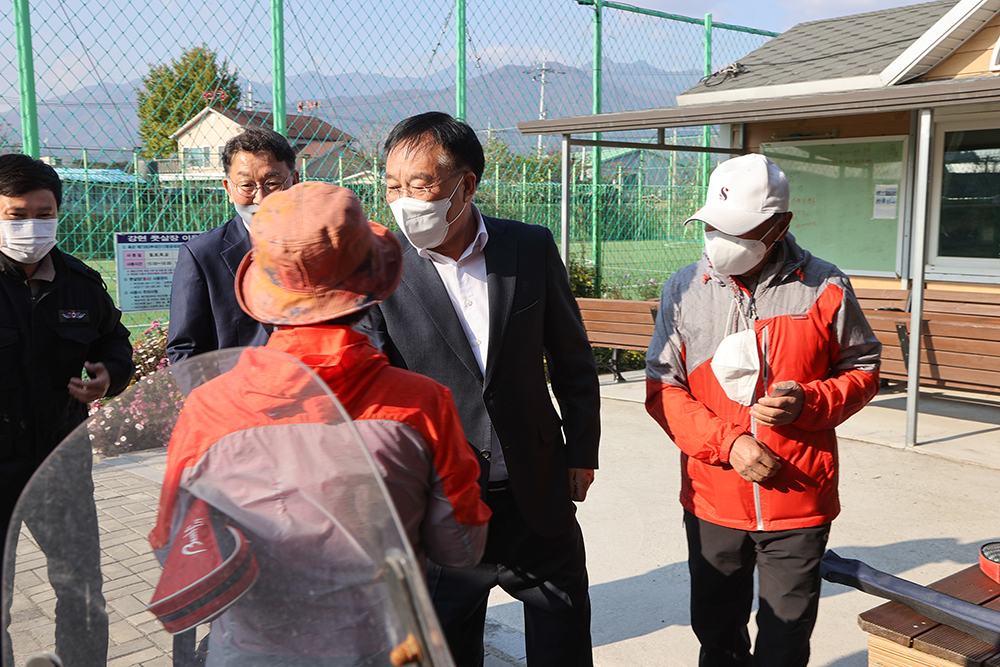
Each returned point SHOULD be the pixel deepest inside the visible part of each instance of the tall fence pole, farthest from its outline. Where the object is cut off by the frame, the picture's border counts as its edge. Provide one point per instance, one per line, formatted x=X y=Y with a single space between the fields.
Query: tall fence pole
x=595 y=208
x=706 y=131
x=460 y=60
x=565 y=183
x=26 y=79
x=278 y=66
x=88 y=225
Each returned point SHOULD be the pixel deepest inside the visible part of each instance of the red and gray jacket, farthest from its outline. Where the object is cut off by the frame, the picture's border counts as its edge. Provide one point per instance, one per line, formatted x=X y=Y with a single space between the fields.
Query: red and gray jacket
x=809 y=328
x=407 y=421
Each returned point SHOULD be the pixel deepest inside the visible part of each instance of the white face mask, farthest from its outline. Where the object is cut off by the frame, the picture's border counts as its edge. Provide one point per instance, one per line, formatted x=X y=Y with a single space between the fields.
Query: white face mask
x=246 y=212
x=736 y=365
x=424 y=223
x=27 y=241
x=731 y=255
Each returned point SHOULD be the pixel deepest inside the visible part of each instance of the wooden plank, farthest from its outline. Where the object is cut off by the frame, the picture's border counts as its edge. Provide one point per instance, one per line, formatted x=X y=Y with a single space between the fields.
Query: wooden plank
x=947 y=358
x=613 y=328
x=604 y=316
x=898 y=623
x=622 y=341
x=956 y=646
x=886 y=653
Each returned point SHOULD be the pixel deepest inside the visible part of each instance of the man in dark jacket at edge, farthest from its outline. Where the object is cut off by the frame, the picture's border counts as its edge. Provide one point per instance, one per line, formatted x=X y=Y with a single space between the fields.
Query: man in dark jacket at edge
x=56 y=320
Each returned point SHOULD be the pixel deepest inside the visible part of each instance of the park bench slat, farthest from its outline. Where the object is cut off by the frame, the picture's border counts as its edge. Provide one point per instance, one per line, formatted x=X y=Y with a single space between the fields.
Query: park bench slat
x=897 y=622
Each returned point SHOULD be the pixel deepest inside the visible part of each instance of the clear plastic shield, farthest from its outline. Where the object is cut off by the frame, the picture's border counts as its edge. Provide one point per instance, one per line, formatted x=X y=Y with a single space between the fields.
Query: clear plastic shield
x=311 y=564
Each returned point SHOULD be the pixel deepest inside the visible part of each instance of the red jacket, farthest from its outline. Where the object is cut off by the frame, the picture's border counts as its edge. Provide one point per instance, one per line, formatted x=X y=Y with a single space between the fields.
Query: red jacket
x=810 y=329
x=265 y=445
x=370 y=390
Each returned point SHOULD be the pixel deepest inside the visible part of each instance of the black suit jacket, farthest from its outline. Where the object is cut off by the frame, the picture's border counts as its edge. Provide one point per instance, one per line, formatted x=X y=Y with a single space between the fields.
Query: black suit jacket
x=532 y=315
x=204 y=313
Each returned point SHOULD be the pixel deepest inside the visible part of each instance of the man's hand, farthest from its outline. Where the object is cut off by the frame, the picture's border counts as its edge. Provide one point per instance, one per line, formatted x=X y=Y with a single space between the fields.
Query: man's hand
x=779 y=410
x=87 y=391
x=752 y=460
x=580 y=480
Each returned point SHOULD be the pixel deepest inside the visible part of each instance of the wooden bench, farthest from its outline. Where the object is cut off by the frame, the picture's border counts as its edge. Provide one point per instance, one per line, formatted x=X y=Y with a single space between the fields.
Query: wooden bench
x=619 y=325
x=900 y=637
x=960 y=337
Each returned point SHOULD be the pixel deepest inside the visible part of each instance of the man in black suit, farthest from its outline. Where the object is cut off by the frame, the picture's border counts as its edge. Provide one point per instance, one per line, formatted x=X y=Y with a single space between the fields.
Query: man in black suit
x=483 y=307
x=204 y=314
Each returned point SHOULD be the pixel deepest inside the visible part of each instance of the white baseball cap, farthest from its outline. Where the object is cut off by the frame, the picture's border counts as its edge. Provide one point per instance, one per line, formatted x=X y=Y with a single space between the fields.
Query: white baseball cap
x=743 y=193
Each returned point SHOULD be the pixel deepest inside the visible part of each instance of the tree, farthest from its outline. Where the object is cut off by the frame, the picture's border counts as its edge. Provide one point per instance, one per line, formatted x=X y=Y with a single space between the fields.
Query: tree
x=172 y=93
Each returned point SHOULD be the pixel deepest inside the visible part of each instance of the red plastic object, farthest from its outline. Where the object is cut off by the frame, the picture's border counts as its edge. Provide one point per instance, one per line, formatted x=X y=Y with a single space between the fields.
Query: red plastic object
x=209 y=567
x=989 y=560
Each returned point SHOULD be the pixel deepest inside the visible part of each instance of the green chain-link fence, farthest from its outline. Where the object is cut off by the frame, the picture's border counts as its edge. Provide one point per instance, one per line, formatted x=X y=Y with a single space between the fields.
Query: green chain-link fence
x=132 y=100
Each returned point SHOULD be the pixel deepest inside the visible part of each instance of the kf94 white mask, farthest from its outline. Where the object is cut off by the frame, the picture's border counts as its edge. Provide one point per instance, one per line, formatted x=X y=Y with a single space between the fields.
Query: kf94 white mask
x=731 y=255
x=246 y=212
x=27 y=241
x=736 y=365
x=424 y=223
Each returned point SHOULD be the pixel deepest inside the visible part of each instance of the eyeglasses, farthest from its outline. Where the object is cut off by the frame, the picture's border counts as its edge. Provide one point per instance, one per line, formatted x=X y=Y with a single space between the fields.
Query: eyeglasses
x=393 y=193
x=249 y=189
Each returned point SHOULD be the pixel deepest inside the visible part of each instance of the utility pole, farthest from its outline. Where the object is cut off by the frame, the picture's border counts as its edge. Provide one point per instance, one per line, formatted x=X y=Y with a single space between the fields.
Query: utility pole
x=539 y=76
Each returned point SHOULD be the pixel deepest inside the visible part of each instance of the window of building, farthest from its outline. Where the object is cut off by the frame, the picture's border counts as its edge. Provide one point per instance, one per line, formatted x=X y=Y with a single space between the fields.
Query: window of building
x=969 y=218
x=198 y=156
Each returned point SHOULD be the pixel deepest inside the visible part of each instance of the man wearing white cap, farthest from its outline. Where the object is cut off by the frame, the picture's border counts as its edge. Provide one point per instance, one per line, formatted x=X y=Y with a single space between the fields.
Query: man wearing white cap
x=760 y=350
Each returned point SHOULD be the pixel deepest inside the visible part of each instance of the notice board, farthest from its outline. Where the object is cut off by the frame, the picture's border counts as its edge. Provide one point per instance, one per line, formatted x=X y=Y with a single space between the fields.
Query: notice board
x=847 y=199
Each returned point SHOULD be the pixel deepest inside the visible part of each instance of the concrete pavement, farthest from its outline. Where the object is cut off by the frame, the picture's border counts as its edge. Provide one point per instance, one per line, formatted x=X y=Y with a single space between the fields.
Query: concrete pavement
x=919 y=513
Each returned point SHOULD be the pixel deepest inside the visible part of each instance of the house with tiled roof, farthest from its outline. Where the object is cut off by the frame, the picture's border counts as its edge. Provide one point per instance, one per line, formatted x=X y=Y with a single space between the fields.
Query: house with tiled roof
x=320 y=148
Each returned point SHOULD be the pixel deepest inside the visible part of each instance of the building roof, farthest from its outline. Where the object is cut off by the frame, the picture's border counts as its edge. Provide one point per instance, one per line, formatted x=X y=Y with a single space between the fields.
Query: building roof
x=855 y=52
x=300 y=127
x=907 y=97
x=94 y=175
x=758 y=95
x=848 y=46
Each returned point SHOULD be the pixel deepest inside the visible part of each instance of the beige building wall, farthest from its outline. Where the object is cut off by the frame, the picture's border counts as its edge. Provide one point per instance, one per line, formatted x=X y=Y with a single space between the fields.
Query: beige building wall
x=866 y=125
x=972 y=58
x=213 y=130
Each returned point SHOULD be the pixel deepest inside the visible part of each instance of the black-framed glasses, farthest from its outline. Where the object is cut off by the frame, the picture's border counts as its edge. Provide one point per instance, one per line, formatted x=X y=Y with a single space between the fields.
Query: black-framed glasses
x=249 y=189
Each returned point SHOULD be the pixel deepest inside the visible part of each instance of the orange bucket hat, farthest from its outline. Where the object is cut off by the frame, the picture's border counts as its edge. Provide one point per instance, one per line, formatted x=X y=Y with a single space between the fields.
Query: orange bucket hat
x=315 y=257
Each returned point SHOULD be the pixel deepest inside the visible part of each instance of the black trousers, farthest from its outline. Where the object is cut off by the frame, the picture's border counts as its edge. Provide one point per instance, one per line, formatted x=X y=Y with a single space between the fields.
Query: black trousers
x=722 y=560
x=549 y=575
x=59 y=510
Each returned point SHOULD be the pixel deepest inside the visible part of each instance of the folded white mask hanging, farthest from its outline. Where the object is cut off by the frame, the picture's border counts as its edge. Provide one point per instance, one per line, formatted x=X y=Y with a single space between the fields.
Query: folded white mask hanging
x=736 y=365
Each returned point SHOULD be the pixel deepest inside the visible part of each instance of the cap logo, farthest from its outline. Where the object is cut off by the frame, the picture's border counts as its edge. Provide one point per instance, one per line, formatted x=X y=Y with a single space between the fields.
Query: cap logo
x=724 y=194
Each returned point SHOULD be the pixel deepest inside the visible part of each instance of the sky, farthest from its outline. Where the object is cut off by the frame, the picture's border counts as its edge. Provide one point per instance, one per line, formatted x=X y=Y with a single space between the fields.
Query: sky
x=776 y=15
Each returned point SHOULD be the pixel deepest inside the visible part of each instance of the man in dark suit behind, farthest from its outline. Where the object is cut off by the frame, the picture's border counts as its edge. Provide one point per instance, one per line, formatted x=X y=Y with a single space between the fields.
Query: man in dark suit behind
x=483 y=304
x=204 y=314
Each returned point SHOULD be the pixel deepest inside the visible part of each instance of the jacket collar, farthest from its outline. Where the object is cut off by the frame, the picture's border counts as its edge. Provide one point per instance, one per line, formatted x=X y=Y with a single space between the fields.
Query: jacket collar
x=337 y=353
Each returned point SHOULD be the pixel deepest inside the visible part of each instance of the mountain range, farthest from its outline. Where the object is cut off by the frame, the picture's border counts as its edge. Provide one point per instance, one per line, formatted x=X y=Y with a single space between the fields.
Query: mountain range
x=103 y=119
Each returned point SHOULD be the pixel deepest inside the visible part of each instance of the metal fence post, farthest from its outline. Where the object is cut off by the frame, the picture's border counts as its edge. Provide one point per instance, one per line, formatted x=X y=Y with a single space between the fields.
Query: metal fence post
x=135 y=191
x=564 y=208
x=706 y=131
x=595 y=208
x=278 y=66
x=460 y=60
x=26 y=79
x=89 y=222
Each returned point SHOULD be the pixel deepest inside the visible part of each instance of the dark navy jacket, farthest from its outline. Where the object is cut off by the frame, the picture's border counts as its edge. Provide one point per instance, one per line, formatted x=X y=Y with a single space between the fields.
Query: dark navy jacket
x=204 y=313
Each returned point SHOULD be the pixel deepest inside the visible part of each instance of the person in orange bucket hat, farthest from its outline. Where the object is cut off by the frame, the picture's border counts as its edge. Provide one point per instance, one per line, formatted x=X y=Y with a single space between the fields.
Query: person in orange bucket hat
x=316 y=267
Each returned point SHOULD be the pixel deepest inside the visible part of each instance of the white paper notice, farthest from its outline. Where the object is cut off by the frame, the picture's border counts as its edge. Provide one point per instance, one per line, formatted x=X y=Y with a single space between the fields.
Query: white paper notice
x=885 y=201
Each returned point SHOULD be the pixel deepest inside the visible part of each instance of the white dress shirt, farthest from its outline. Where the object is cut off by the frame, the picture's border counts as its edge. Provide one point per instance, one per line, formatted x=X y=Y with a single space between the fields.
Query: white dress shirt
x=465 y=282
